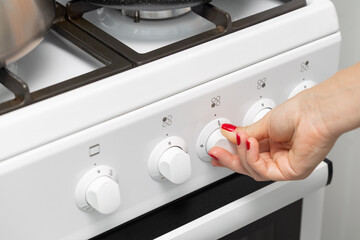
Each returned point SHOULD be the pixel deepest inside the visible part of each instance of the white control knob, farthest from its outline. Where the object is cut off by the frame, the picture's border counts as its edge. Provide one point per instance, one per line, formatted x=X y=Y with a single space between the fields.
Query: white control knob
x=258 y=111
x=175 y=165
x=301 y=87
x=169 y=160
x=217 y=139
x=98 y=190
x=211 y=136
x=103 y=195
x=261 y=114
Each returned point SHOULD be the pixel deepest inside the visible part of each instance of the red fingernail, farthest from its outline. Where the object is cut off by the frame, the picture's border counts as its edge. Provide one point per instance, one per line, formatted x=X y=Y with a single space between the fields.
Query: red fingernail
x=247 y=145
x=238 y=140
x=214 y=157
x=228 y=127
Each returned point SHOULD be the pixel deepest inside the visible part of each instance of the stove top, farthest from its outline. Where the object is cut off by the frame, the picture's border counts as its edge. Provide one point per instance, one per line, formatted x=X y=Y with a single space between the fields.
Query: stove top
x=88 y=43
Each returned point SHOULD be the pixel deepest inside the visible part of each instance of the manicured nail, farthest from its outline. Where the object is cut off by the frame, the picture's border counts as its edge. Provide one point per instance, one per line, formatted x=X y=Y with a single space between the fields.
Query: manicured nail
x=247 y=145
x=238 y=140
x=214 y=157
x=228 y=127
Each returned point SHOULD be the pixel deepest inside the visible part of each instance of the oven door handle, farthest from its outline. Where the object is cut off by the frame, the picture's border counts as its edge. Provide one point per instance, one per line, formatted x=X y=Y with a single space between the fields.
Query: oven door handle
x=250 y=208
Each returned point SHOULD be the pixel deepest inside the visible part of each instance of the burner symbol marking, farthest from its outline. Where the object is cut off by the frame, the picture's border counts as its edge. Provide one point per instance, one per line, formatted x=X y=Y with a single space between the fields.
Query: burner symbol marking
x=261 y=83
x=215 y=101
x=167 y=121
x=304 y=66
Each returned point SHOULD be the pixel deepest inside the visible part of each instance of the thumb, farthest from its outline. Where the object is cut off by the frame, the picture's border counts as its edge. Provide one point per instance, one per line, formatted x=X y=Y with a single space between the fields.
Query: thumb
x=259 y=129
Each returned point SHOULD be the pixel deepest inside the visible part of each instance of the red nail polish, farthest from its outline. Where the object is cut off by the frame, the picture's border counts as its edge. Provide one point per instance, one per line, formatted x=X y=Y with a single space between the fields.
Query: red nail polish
x=214 y=157
x=228 y=127
x=247 y=145
x=238 y=140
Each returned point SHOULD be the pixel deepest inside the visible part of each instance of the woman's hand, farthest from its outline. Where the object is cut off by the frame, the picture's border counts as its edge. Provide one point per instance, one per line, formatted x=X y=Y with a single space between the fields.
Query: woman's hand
x=288 y=143
x=292 y=139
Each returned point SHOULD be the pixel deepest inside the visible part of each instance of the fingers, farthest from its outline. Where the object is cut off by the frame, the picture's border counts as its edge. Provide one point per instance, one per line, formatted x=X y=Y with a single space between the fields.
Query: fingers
x=262 y=164
x=215 y=163
x=229 y=131
x=249 y=160
x=238 y=163
x=223 y=158
x=243 y=149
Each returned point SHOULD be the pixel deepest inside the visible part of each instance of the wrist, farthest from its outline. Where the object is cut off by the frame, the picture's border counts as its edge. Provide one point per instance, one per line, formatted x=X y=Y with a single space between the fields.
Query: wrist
x=338 y=101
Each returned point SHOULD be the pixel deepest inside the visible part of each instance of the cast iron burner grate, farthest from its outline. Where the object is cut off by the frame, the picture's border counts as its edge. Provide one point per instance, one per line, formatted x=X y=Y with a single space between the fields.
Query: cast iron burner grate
x=115 y=55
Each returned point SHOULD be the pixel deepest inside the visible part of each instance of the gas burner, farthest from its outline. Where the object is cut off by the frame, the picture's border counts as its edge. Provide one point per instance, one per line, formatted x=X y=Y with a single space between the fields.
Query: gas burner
x=156 y=15
x=147 y=35
x=147 y=5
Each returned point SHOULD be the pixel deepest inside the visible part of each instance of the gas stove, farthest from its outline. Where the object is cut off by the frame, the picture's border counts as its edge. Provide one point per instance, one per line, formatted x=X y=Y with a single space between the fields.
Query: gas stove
x=76 y=52
x=105 y=95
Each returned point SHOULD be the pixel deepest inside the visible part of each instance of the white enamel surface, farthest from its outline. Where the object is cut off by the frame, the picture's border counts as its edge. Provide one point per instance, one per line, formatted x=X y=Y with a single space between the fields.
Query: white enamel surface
x=252 y=207
x=87 y=106
x=126 y=143
x=239 y=9
x=53 y=61
x=5 y=94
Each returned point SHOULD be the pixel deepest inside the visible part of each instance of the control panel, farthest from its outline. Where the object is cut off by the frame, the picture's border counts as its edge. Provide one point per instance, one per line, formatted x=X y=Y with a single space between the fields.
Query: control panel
x=120 y=169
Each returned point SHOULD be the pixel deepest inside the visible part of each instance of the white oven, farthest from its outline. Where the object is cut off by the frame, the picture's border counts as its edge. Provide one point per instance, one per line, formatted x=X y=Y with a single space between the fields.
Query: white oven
x=119 y=151
x=237 y=208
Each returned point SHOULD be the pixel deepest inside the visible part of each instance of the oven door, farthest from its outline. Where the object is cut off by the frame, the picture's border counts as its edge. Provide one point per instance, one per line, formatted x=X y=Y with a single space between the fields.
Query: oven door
x=240 y=208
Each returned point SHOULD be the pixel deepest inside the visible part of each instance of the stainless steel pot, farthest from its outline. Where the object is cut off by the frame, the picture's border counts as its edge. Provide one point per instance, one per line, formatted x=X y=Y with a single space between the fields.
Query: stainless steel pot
x=148 y=5
x=23 y=24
